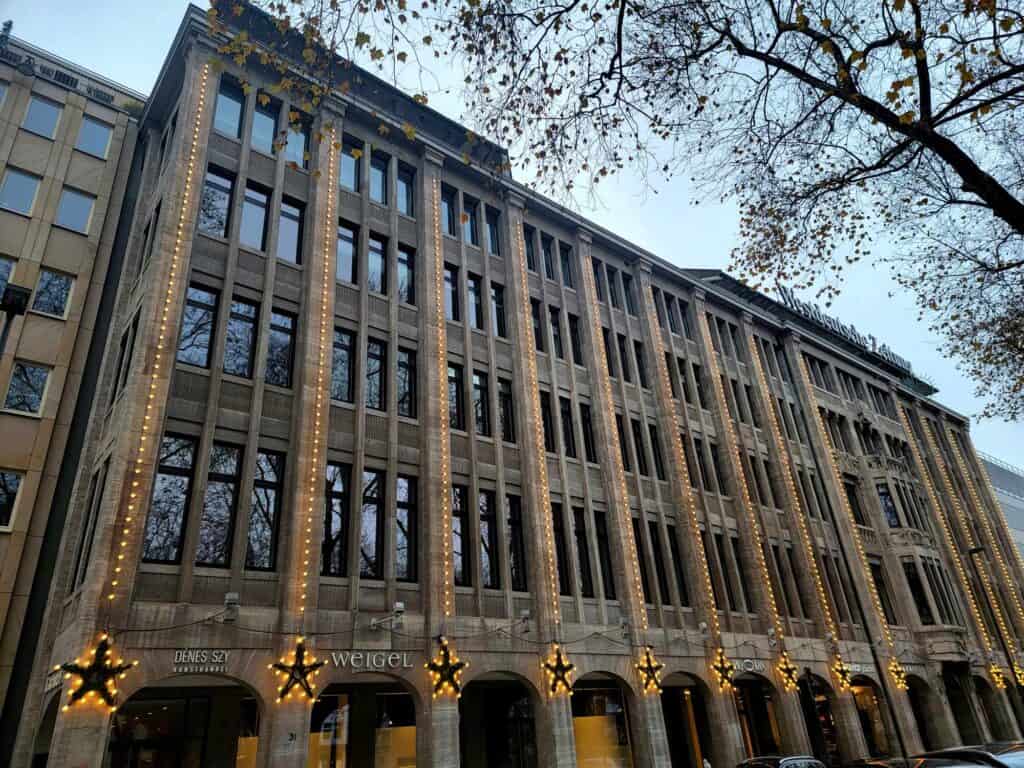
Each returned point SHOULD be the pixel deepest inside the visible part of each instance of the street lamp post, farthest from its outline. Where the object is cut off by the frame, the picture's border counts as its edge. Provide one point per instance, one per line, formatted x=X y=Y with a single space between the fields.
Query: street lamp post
x=13 y=302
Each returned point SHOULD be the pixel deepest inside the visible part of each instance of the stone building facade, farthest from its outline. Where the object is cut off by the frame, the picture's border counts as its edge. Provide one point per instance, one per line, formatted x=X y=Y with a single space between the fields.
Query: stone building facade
x=361 y=394
x=66 y=143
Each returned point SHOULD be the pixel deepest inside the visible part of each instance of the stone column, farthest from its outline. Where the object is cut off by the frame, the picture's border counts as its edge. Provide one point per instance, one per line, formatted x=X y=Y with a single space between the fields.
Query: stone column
x=284 y=740
x=556 y=740
x=852 y=743
x=442 y=725
x=651 y=749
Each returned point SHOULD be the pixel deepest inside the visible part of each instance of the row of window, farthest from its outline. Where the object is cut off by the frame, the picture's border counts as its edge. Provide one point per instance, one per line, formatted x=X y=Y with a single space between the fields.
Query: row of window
x=547 y=251
x=852 y=387
x=610 y=282
x=265 y=134
x=42 y=116
x=19 y=190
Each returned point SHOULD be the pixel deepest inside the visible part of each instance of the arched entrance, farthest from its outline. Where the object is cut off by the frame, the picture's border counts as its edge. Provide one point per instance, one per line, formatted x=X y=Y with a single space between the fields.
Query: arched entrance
x=995 y=713
x=370 y=723
x=684 y=701
x=923 y=705
x=816 y=698
x=600 y=721
x=496 y=725
x=873 y=720
x=956 y=677
x=186 y=720
x=756 y=703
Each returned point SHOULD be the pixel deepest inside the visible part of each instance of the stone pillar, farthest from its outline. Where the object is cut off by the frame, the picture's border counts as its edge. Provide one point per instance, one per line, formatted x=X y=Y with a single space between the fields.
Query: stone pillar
x=792 y=722
x=556 y=739
x=852 y=743
x=284 y=740
x=650 y=749
x=726 y=734
x=442 y=716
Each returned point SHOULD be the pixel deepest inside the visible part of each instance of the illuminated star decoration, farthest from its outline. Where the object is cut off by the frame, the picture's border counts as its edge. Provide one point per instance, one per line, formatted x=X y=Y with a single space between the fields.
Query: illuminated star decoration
x=723 y=669
x=297 y=673
x=998 y=678
x=558 y=668
x=98 y=677
x=789 y=672
x=1018 y=672
x=899 y=675
x=843 y=673
x=650 y=671
x=446 y=670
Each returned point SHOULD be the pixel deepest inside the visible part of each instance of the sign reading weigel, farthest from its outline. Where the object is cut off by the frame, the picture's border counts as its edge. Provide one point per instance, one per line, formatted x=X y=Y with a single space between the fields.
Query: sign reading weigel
x=368 y=660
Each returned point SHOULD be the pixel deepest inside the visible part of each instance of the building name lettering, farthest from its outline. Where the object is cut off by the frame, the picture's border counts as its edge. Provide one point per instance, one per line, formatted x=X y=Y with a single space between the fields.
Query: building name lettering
x=870 y=343
x=751 y=665
x=200 y=659
x=371 y=660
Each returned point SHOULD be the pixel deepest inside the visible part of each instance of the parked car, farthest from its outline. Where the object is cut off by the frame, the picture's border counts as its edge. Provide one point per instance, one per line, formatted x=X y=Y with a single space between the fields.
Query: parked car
x=782 y=761
x=997 y=754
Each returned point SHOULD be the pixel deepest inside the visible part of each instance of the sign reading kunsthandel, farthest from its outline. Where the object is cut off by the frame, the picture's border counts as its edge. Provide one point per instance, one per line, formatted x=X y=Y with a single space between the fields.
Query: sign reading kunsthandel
x=870 y=343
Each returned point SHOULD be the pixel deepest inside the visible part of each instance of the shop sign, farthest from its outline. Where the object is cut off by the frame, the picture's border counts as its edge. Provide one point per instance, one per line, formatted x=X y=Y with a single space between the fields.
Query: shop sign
x=751 y=665
x=190 y=660
x=369 y=660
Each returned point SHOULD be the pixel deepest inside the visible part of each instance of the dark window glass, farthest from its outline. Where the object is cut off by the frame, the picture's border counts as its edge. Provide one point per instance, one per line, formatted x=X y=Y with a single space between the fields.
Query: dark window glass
x=494 y=231
x=506 y=410
x=498 y=325
x=215 y=203
x=627 y=374
x=451 y=293
x=538 y=328
x=548 y=421
x=371 y=525
x=343 y=366
x=627 y=289
x=853 y=498
x=9 y=482
x=168 y=509
x=561 y=553
x=217 y=523
x=531 y=249
x=42 y=116
x=609 y=357
x=289 y=232
x=264 y=124
x=716 y=466
x=579 y=519
x=568 y=430
x=659 y=460
x=878 y=576
x=406 y=274
x=613 y=287
x=377 y=265
x=913 y=576
x=253 y=229
x=240 y=343
x=405 y=381
x=604 y=554
x=280 y=349
x=406 y=190
x=565 y=255
x=405 y=528
x=6 y=266
x=547 y=247
x=670 y=310
x=516 y=543
x=197 y=326
x=264 y=516
x=379 y=177
x=456 y=411
x=727 y=573
x=481 y=403
x=125 y=353
x=641 y=557
x=336 y=513
x=346 y=250
x=574 y=339
x=638 y=445
x=448 y=223
x=227 y=116
x=699 y=380
x=475 y=299
x=27 y=387
x=350 y=161
x=52 y=292
x=623 y=450
x=589 y=445
x=460 y=537
x=470 y=231
x=598 y=279
x=677 y=566
x=659 y=563
x=490 y=570
x=376 y=363
x=555 y=318
x=737 y=556
x=892 y=517
x=641 y=363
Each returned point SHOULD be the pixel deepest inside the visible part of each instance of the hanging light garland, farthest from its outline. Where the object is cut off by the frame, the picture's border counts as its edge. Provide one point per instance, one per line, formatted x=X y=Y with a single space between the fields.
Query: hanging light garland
x=995 y=672
x=995 y=505
x=896 y=671
x=649 y=669
x=296 y=673
x=559 y=671
x=446 y=670
x=96 y=677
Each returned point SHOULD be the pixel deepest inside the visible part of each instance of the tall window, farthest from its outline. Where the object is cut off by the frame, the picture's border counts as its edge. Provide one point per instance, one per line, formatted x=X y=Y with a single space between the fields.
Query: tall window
x=568 y=430
x=168 y=509
x=9 y=482
x=351 y=154
x=289 y=231
x=498 y=323
x=659 y=562
x=678 y=566
x=296 y=148
x=917 y=591
x=538 y=327
x=253 y=229
x=659 y=459
x=74 y=211
x=604 y=554
x=475 y=299
x=470 y=230
x=346 y=263
x=448 y=222
x=197 y=326
x=589 y=445
x=548 y=420
x=561 y=553
x=506 y=411
x=888 y=505
x=42 y=116
x=638 y=446
x=609 y=356
x=547 y=248
x=624 y=359
x=406 y=274
x=265 y=513
x=227 y=116
x=18 y=191
x=343 y=366
x=456 y=411
x=405 y=187
x=405 y=528
x=490 y=570
x=379 y=177
x=377 y=265
x=376 y=362
x=6 y=267
x=493 y=231
x=565 y=257
x=555 y=319
x=240 y=344
x=613 y=287
x=52 y=292
x=620 y=429
x=598 y=279
x=531 y=249
x=371 y=525
x=575 y=340
x=853 y=498
x=481 y=403
x=218 y=519
x=280 y=349
x=125 y=353
x=451 y=293
x=579 y=519
x=878 y=576
x=641 y=363
x=264 y=125
x=627 y=290
x=405 y=381
x=334 y=560
x=460 y=536
x=215 y=202
x=516 y=543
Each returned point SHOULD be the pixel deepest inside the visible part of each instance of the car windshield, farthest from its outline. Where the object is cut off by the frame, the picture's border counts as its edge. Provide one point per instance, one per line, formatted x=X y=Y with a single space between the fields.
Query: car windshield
x=802 y=763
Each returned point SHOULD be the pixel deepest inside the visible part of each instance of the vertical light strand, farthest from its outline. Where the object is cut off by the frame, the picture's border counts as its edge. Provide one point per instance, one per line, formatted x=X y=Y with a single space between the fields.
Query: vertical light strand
x=618 y=480
x=785 y=666
x=680 y=466
x=323 y=345
x=947 y=533
x=158 y=356
x=895 y=668
x=444 y=460
x=994 y=502
x=537 y=431
x=789 y=474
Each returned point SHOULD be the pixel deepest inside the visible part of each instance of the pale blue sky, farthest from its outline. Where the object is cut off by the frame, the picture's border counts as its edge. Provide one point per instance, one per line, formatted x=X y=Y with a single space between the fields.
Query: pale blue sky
x=126 y=41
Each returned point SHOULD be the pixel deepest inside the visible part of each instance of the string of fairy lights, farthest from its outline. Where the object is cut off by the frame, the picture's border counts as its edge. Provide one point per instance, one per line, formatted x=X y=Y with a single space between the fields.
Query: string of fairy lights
x=681 y=473
x=840 y=668
x=788 y=672
x=95 y=678
x=1000 y=515
x=940 y=514
x=895 y=668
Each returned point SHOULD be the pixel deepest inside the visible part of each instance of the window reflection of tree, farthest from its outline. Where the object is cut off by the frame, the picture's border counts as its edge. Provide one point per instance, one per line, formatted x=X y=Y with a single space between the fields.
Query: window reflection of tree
x=52 y=293
x=369 y=564
x=263 y=516
x=218 y=507
x=167 y=510
x=25 y=392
